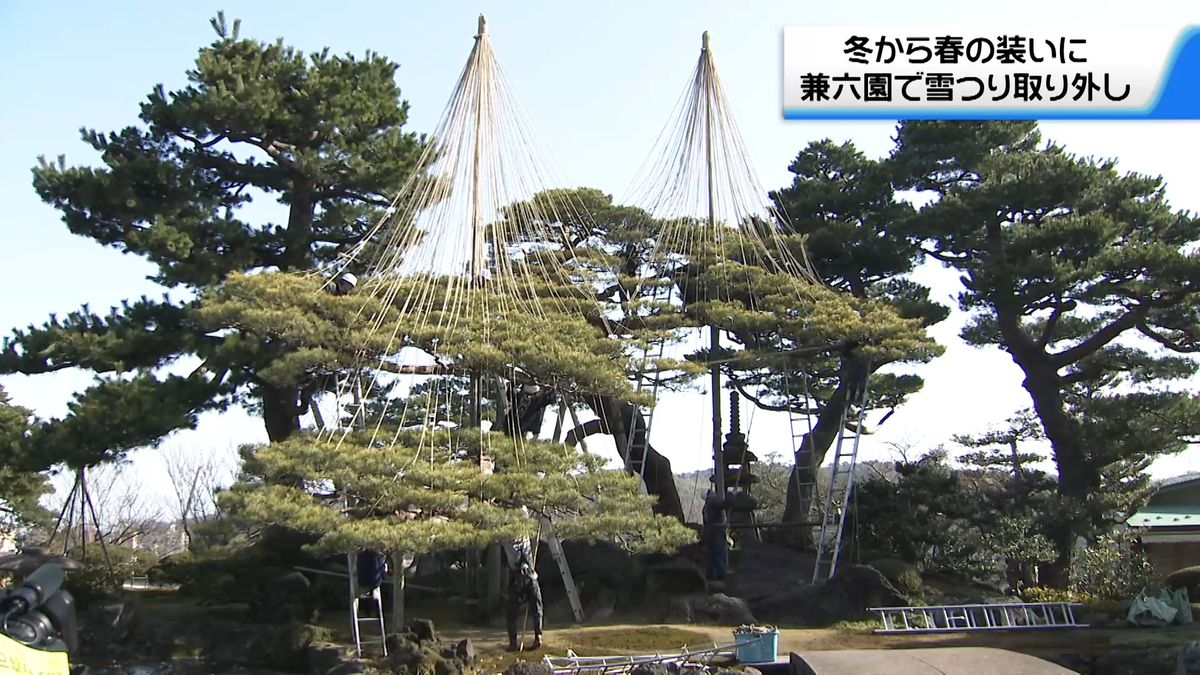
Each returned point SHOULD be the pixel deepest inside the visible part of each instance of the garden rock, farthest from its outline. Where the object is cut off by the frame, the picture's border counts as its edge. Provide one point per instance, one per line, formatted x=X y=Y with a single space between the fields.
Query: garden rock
x=1188 y=661
x=529 y=668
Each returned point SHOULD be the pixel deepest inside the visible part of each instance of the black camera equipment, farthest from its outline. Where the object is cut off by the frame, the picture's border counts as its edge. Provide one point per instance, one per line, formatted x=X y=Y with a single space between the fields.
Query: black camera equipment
x=40 y=613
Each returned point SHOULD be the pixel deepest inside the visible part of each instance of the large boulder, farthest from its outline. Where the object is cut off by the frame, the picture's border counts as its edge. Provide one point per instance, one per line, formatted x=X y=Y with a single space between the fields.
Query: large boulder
x=904 y=576
x=419 y=650
x=763 y=572
x=846 y=597
x=716 y=609
x=529 y=668
x=1188 y=661
x=678 y=576
x=287 y=598
x=1187 y=578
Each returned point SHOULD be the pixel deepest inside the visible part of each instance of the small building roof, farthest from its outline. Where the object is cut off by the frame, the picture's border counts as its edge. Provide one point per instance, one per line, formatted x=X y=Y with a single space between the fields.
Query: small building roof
x=1166 y=515
x=1177 y=482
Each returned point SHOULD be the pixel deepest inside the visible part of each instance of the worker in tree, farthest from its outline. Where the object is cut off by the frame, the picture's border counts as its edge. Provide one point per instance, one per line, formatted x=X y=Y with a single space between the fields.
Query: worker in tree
x=523 y=589
x=372 y=568
x=713 y=532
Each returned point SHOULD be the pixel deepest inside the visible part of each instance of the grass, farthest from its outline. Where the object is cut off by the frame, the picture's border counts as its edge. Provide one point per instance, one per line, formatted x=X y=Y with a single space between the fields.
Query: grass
x=633 y=640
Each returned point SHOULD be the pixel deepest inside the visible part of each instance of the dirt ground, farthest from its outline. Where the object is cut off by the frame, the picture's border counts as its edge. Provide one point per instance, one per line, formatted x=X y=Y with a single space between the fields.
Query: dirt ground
x=627 y=636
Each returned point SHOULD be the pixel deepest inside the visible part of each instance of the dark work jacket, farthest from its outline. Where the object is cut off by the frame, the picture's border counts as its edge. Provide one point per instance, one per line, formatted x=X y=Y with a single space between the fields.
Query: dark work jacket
x=714 y=517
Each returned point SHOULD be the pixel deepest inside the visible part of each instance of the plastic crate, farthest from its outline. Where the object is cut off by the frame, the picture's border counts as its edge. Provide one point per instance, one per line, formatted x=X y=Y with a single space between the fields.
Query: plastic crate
x=756 y=646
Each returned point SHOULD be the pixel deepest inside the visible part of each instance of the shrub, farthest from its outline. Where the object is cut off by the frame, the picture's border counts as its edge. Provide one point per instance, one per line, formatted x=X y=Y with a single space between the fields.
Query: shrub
x=1041 y=594
x=1113 y=568
x=904 y=576
x=102 y=578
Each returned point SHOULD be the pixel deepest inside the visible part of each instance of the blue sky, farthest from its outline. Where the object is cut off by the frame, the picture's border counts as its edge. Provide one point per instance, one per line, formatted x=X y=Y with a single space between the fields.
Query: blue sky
x=598 y=81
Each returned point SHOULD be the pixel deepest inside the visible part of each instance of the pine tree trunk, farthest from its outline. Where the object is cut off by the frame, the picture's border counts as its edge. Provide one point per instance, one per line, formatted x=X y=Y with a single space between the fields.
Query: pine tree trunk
x=298 y=239
x=616 y=416
x=280 y=410
x=1077 y=478
x=824 y=434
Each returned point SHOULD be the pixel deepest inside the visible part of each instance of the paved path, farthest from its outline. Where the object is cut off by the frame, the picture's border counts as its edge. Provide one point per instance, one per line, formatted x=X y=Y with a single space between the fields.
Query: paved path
x=940 y=661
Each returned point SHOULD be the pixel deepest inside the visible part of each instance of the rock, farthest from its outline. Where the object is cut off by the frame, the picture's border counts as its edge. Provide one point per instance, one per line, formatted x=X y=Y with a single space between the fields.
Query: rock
x=601 y=562
x=1188 y=661
x=599 y=606
x=868 y=587
x=679 y=610
x=287 y=598
x=713 y=609
x=465 y=652
x=529 y=668
x=904 y=576
x=1187 y=578
x=109 y=624
x=402 y=648
x=325 y=657
x=407 y=653
x=423 y=629
x=675 y=577
x=722 y=609
x=846 y=597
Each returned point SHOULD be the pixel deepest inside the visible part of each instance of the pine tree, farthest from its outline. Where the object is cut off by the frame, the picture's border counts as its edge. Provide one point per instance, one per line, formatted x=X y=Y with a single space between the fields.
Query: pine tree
x=424 y=489
x=319 y=134
x=844 y=207
x=1016 y=505
x=424 y=492
x=20 y=490
x=768 y=314
x=1088 y=278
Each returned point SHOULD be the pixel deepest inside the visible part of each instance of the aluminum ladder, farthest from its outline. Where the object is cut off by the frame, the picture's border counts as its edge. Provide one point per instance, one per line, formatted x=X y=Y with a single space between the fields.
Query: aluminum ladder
x=969 y=618
x=572 y=663
x=356 y=620
x=800 y=452
x=841 y=484
x=560 y=559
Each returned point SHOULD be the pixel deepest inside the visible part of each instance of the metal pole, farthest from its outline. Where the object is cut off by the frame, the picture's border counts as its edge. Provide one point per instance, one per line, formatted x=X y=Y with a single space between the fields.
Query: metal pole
x=714 y=336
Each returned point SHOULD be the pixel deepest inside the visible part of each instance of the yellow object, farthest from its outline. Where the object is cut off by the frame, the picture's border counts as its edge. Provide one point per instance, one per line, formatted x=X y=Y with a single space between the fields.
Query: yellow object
x=17 y=659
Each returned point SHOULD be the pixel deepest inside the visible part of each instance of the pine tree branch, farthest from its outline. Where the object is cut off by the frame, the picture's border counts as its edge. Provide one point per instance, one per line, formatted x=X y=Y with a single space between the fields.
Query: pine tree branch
x=1187 y=347
x=199 y=144
x=336 y=193
x=1100 y=338
x=944 y=257
x=1051 y=322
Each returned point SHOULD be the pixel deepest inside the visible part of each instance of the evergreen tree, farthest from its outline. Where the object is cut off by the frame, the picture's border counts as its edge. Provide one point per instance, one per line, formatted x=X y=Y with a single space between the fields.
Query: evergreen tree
x=421 y=490
x=1017 y=508
x=843 y=206
x=20 y=490
x=425 y=492
x=769 y=316
x=1000 y=448
x=1088 y=278
x=318 y=134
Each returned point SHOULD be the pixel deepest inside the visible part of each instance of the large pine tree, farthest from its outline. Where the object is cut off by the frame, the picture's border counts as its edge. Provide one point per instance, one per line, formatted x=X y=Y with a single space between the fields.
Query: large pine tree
x=845 y=207
x=1088 y=278
x=319 y=135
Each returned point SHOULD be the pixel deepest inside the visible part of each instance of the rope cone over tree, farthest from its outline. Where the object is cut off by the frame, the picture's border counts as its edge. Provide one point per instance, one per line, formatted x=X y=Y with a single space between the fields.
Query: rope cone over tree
x=725 y=260
x=469 y=316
